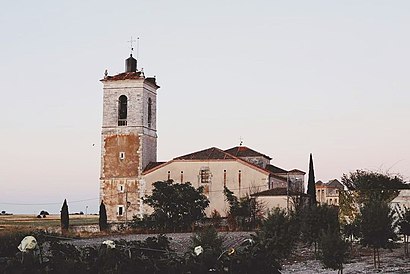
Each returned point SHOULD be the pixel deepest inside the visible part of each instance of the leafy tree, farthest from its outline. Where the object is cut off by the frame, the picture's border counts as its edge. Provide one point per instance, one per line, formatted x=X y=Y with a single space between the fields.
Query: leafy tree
x=64 y=217
x=348 y=207
x=404 y=224
x=351 y=231
x=274 y=242
x=176 y=206
x=102 y=219
x=280 y=232
x=371 y=185
x=251 y=256
x=333 y=249
x=245 y=213
x=216 y=218
x=377 y=225
x=315 y=220
x=311 y=191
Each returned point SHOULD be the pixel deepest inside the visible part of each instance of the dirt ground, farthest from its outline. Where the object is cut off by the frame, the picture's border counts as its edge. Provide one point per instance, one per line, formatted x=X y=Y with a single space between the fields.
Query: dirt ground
x=361 y=261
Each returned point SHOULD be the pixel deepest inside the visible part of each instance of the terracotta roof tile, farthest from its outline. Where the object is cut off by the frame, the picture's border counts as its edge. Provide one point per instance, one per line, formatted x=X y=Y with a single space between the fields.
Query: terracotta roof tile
x=275 y=169
x=242 y=151
x=131 y=76
x=297 y=171
x=212 y=153
x=123 y=76
x=152 y=165
x=279 y=191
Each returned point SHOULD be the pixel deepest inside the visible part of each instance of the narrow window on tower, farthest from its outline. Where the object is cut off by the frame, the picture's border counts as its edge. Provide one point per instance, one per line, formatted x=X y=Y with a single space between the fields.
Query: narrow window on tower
x=122 y=155
x=122 y=110
x=182 y=177
x=224 y=178
x=120 y=211
x=149 y=112
x=169 y=175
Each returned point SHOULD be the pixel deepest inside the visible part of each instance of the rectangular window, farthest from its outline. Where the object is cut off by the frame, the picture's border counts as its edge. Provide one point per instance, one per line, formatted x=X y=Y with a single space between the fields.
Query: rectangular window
x=122 y=155
x=182 y=176
x=169 y=175
x=205 y=175
x=120 y=210
x=224 y=178
x=121 y=188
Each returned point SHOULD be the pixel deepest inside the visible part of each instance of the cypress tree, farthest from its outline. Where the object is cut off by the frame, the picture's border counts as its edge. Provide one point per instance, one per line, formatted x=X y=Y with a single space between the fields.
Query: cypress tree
x=64 y=217
x=311 y=191
x=102 y=220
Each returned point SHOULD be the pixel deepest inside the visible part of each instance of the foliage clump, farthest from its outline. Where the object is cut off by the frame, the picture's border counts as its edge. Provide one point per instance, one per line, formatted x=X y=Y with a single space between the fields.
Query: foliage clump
x=65 y=219
x=176 y=206
x=102 y=219
x=244 y=213
x=333 y=249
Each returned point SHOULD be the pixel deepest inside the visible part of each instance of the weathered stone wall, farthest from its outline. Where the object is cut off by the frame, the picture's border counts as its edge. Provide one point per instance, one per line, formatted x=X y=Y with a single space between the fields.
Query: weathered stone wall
x=120 y=192
x=112 y=165
x=119 y=184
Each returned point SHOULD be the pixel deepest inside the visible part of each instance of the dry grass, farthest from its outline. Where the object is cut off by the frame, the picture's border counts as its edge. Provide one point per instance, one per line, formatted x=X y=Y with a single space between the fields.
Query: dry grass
x=10 y=223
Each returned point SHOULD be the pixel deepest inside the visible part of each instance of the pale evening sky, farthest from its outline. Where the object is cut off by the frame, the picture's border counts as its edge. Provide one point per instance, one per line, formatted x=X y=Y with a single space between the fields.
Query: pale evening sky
x=289 y=77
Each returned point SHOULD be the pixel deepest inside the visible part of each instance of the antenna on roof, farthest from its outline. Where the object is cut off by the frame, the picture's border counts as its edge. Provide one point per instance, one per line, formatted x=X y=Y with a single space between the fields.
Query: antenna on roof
x=240 y=141
x=132 y=48
x=138 y=46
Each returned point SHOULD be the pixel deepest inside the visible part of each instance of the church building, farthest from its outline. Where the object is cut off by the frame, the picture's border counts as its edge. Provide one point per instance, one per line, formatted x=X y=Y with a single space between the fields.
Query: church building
x=129 y=164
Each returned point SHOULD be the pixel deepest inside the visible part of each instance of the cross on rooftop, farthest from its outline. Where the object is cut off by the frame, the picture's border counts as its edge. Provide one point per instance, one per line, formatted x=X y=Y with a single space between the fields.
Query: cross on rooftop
x=131 y=41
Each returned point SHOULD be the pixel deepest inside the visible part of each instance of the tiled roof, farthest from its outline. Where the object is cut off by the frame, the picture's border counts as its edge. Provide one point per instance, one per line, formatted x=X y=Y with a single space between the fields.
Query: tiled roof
x=212 y=153
x=275 y=169
x=335 y=183
x=331 y=184
x=123 y=76
x=242 y=151
x=297 y=171
x=130 y=76
x=152 y=165
x=279 y=191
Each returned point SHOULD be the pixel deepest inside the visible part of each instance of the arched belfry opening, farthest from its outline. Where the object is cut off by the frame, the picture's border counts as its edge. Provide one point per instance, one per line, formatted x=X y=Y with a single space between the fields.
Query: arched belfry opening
x=149 y=112
x=122 y=110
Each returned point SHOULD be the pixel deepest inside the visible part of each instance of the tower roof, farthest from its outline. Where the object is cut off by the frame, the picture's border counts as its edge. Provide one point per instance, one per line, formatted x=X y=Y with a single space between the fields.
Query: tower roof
x=131 y=64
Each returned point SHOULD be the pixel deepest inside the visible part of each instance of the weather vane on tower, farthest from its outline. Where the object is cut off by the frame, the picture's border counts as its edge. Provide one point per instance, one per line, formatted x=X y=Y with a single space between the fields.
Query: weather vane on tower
x=132 y=46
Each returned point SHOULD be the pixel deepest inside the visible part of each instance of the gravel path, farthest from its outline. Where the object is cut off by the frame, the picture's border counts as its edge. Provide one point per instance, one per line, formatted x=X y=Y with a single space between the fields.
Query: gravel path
x=180 y=242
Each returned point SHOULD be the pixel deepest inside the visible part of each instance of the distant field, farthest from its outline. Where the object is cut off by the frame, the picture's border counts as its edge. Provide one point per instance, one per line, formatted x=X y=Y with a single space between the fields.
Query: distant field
x=9 y=222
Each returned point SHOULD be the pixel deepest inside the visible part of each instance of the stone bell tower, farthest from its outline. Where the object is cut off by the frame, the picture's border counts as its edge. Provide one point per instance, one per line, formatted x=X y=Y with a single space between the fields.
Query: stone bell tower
x=129 y=139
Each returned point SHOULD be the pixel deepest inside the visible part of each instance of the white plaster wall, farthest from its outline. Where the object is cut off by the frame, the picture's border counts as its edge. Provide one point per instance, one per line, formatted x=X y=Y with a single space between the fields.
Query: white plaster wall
x=271 y=202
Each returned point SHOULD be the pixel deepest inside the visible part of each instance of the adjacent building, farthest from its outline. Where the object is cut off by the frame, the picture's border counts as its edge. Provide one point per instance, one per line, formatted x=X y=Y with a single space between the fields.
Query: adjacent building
x=328 y=193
